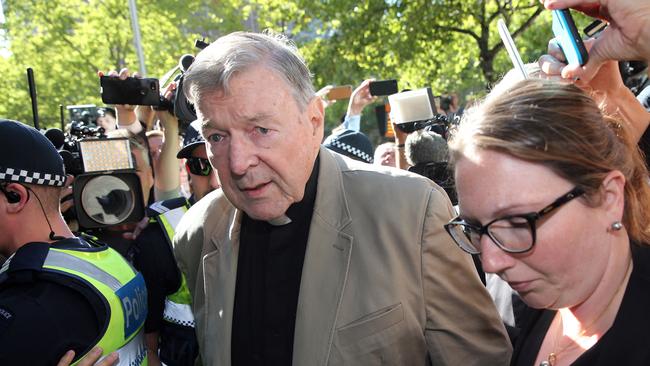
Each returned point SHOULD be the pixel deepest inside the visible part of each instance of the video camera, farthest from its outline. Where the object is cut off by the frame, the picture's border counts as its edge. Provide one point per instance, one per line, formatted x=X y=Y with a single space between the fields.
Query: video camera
x=414 y=110
x=136 y=91
x=106 y=190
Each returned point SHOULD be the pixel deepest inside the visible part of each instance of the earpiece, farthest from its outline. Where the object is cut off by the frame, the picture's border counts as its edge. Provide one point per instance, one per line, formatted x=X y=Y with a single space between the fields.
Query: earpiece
x=12 y=197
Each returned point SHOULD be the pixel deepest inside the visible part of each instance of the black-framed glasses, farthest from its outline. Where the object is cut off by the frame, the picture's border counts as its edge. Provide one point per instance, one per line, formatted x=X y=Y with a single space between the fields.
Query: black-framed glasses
x=199 y=166
x=513 y=233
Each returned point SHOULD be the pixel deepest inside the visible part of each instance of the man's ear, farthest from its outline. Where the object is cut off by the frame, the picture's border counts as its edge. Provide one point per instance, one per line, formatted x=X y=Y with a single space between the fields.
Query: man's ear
x=613 y=194
x=316 y=114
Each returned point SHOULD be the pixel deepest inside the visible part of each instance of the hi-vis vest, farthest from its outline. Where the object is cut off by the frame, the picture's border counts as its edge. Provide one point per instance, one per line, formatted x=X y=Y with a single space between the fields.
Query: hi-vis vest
x=178 y=306
x=106 y=272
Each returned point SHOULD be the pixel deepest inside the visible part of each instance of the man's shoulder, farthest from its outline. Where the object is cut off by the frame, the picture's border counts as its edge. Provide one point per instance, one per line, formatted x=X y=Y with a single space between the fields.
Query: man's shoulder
x=209 y=213
x=375 y=178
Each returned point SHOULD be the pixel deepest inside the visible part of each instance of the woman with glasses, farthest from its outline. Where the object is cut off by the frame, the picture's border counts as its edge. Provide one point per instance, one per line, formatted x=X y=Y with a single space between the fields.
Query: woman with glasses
x=554 y=197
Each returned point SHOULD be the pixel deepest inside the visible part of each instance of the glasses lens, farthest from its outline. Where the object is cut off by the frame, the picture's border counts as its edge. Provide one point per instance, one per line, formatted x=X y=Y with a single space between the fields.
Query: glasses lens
x=465 y=237
x=199 y=166
x=513 y=234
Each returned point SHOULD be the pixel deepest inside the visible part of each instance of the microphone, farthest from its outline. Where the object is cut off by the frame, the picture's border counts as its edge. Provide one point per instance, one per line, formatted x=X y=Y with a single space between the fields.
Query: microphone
x=56 y=137
x=185 y=62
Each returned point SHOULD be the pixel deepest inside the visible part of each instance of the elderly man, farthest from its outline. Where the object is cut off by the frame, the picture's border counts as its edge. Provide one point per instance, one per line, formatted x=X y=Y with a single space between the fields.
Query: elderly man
x=297 y=260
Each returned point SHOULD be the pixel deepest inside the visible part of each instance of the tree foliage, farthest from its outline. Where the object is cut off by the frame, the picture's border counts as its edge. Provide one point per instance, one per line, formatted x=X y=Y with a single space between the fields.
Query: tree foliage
x=450 y=45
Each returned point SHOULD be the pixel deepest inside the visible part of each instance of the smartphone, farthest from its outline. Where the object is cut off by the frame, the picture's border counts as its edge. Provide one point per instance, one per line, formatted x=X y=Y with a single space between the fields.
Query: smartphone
x=340 y=92
x=568 y=37
x=132 y=91
x=383 y=87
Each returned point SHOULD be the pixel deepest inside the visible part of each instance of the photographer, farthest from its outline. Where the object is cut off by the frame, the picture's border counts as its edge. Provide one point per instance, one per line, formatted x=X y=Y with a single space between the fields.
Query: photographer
x=58 y=292
x=426 y=152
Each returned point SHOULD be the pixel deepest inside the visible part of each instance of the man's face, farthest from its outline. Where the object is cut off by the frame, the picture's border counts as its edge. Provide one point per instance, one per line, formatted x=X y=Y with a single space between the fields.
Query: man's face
x=260 y=142
x=107 y=122
x=202 y=185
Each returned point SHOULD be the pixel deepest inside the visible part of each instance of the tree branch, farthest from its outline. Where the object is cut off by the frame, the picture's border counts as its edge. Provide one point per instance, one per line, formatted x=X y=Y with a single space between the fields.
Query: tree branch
x=458 y=30
x=519 y=30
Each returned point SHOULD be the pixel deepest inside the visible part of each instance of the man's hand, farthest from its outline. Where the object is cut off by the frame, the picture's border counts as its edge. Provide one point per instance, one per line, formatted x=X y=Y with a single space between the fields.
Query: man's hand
x=322 y=94
x=626 y=38
x=167 y=119
x=90 y=358
x=360 y=98
x=137 y=230
x=125 y=112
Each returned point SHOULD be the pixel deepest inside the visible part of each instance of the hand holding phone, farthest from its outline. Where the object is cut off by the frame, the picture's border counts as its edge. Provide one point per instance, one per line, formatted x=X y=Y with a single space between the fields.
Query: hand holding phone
x=568 y=38
x=133 y=91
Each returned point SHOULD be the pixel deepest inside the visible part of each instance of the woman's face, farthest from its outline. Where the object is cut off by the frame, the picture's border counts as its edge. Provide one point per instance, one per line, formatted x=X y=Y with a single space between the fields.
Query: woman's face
x=568 y=259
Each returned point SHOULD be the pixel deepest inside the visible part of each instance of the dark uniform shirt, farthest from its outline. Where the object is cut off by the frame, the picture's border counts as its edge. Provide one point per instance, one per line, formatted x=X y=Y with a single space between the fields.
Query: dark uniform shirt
x=269 y=270
x=153 y=257
x=42 y=318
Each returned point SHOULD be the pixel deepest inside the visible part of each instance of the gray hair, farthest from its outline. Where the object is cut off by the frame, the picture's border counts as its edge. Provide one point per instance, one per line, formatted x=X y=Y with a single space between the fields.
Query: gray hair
x=236 y=52
x=425 y=147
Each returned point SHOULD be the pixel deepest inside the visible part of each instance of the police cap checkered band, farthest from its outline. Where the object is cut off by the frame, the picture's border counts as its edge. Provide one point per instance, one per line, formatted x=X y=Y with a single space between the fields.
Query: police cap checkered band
x=353 y=144
x=28 y=156
x=353 y=150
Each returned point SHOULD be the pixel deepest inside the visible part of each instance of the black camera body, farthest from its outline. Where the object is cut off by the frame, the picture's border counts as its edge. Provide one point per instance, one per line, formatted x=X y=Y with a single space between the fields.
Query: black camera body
x=106 y=190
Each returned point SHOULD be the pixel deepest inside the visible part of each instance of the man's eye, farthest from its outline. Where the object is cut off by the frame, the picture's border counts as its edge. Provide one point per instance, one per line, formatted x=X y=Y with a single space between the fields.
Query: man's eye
x=215 y=138
x=262 y=130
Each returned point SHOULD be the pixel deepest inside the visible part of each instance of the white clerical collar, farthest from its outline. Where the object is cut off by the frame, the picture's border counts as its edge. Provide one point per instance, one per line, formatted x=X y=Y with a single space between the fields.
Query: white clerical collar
x=280 y=221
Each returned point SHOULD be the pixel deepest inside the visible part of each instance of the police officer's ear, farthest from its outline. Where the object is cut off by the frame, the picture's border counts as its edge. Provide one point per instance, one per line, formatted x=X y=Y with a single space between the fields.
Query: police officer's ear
x=16 y=195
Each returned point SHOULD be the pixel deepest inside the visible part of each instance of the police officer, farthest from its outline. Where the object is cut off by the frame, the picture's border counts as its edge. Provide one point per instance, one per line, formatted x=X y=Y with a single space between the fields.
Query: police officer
x=58 y=292
x=169 y=326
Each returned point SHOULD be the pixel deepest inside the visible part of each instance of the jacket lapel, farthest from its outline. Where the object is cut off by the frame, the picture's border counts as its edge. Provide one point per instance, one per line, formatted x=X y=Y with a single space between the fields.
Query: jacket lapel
x=325 y=267
x=220 y=266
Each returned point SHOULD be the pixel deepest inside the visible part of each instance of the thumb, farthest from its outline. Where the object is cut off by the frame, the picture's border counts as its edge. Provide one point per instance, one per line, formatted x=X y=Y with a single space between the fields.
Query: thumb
x=597 y=57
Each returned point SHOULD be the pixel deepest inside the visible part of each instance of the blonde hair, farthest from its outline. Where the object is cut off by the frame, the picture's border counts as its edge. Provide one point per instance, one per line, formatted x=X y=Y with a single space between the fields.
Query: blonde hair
x=557 y=125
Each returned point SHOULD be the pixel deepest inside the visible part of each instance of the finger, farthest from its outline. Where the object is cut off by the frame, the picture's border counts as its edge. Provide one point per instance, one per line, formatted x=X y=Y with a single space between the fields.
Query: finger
x=124 y=73
x=66 y=359
x=110 y=360
x=113 y=74
x=555 y=50
x=65 y=206
x=100 y=73
x=91 y=357
x=589 y=7
x=69 y=178
x=550 y=65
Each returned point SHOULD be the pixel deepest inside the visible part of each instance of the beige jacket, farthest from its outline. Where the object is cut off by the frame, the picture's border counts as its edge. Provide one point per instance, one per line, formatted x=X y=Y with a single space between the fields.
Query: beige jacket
x=382 y=282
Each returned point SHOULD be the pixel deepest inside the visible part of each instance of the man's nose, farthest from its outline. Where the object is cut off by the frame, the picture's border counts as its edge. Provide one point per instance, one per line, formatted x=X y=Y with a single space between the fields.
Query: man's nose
x=242 y=155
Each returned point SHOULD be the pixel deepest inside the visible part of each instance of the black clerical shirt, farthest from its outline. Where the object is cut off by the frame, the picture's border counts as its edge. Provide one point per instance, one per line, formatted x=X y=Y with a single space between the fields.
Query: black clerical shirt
x=269 y=269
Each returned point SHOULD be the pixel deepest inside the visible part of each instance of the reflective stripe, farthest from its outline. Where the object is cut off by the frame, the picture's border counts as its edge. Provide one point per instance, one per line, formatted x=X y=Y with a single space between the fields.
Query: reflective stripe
x=5 y=265
x=178 y=314
x=131 y=354
x=64 y=260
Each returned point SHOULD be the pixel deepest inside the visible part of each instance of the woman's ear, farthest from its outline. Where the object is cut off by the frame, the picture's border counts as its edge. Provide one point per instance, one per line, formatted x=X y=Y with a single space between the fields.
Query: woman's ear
x=613 y=194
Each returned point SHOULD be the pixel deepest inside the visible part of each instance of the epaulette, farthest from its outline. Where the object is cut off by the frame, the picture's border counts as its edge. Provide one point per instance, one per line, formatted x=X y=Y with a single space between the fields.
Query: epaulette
x=161 y=207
